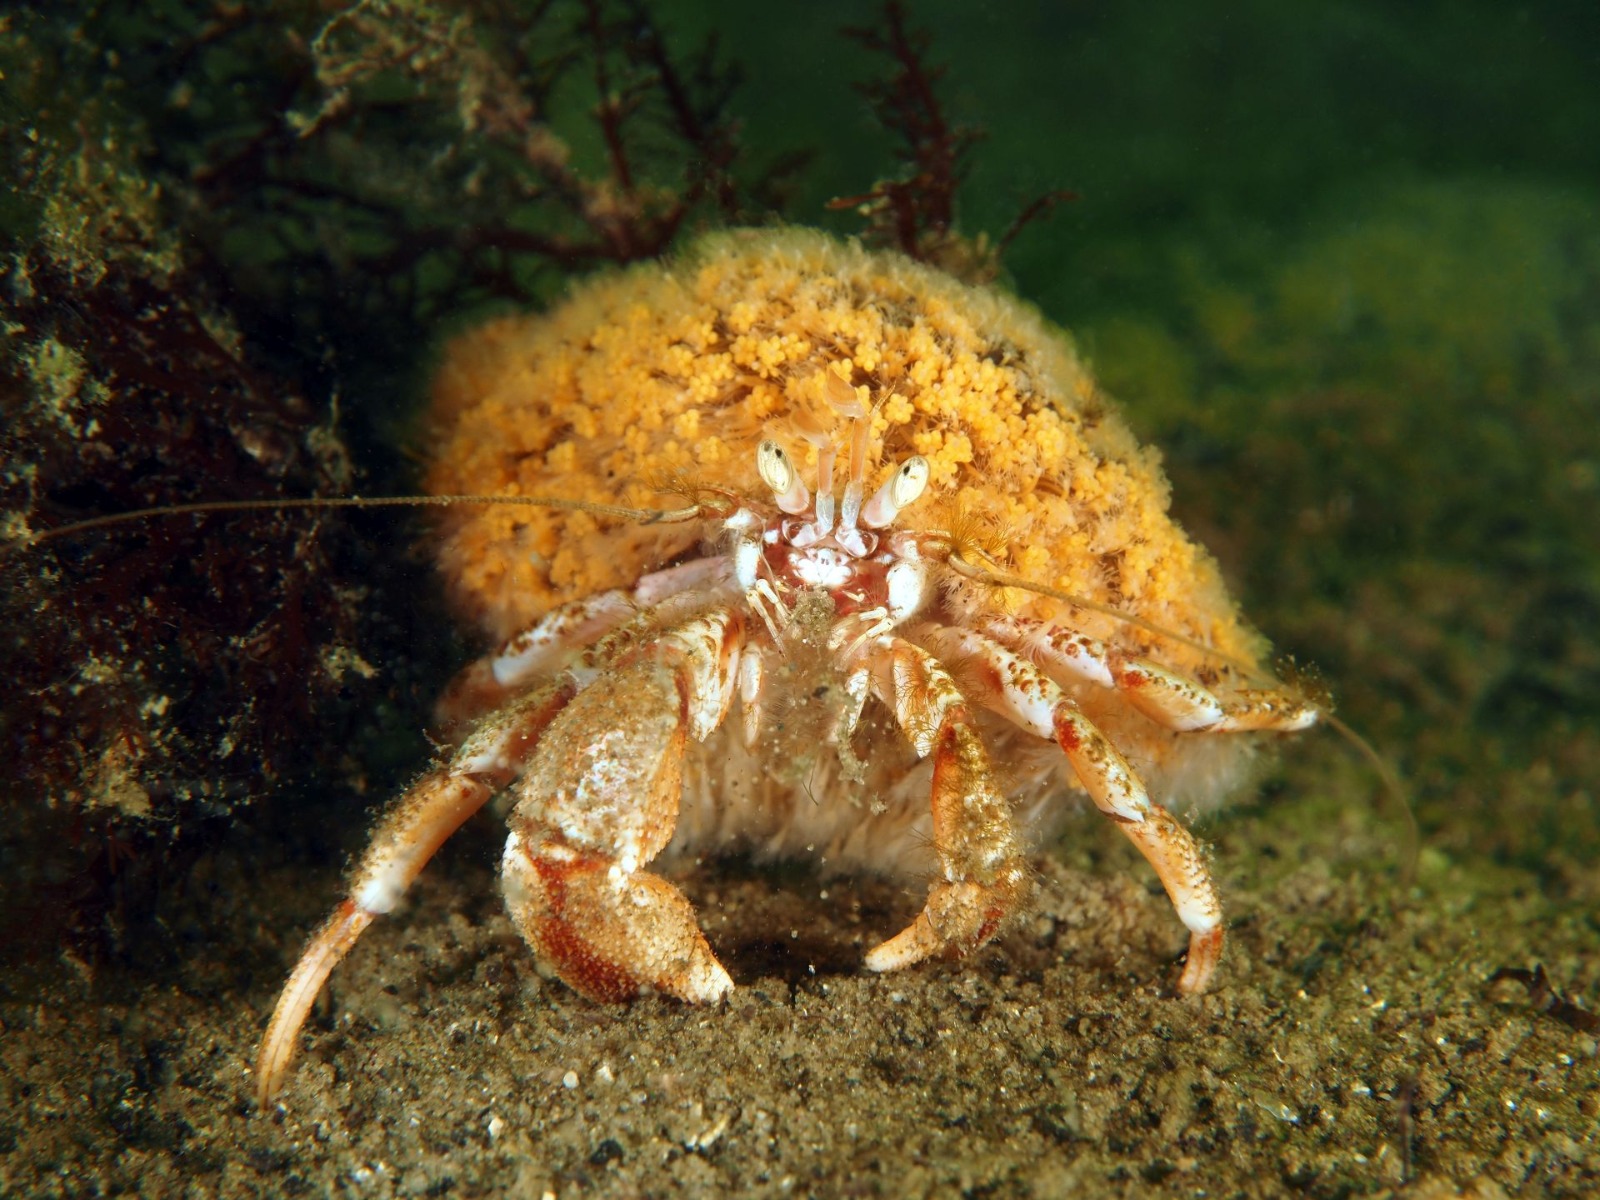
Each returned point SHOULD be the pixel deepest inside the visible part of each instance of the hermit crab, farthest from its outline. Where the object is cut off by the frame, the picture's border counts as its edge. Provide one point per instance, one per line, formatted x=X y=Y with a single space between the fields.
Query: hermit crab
x=921 y=588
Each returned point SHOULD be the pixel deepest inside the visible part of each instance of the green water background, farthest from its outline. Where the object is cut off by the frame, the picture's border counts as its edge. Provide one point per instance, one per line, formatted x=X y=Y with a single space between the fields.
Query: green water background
x=1342 y=263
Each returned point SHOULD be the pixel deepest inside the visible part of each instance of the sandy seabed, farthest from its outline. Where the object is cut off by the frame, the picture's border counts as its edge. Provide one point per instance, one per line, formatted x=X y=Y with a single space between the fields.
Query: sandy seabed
x=1351 y=1047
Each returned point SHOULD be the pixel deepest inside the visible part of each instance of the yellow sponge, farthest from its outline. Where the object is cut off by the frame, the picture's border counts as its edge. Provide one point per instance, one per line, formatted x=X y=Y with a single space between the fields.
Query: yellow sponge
x=679 y=370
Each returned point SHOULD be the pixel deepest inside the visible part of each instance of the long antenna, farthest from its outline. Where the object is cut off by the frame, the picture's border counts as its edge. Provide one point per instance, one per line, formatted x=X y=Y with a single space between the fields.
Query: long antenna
x=666 y=516
x=1411 y=850
x=645 y=516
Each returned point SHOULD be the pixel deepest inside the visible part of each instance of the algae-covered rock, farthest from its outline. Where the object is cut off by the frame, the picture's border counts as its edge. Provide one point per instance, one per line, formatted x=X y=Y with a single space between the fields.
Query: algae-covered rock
x=164 y=674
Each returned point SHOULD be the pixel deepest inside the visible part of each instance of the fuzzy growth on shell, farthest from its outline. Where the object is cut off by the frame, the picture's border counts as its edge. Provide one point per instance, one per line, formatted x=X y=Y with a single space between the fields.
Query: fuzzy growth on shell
x=680 y=371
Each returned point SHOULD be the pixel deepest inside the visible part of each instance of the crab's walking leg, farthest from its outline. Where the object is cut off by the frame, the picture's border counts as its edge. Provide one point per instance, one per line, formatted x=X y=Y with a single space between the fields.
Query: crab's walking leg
x=600 y=800
x=1164 y=696
x=546 y=646
x=405 y=839
x=985 y=876
x=1021 y=692
x=541 y=649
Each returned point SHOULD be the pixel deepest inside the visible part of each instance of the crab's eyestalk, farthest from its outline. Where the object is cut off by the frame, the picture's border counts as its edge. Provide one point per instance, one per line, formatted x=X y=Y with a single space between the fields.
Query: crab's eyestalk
x=778 y=473
x=901 y=491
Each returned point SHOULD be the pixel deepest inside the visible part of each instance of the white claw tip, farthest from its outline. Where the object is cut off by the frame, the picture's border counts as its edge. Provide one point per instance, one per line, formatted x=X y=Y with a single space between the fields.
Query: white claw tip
x=708 y=983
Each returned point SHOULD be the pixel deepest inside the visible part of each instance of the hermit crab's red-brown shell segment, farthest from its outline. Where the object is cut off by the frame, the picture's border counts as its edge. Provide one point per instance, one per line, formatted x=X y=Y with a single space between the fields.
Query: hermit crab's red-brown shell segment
x=683 y=369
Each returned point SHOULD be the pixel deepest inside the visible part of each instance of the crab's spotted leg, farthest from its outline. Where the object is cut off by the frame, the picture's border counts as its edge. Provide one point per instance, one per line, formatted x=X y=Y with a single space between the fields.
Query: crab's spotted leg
x=985 y=878
x=541 y=649
x=1024 y=694
x=1164 y=696
x=600 y=800
x=545 y=647
x=403 y=842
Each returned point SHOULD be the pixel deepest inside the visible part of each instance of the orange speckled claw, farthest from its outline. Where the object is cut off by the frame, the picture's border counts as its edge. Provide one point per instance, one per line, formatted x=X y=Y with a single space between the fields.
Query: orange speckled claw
x=985 y=880
x=600 y=800
x=607 y=933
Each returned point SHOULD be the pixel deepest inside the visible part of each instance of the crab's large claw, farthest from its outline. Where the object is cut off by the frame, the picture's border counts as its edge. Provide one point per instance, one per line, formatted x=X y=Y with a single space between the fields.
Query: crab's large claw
x=600 y=800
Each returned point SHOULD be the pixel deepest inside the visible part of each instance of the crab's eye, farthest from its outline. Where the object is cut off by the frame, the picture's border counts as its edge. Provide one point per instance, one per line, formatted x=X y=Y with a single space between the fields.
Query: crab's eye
x=910 y=481
x=778 y=473
x=901 y=490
